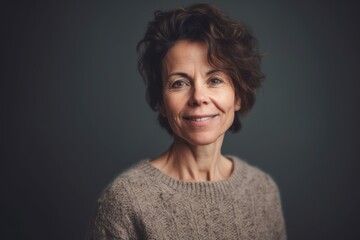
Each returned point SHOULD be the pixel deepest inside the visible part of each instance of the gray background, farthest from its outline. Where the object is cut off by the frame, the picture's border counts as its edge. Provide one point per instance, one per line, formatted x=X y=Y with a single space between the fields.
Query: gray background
x=74 y=113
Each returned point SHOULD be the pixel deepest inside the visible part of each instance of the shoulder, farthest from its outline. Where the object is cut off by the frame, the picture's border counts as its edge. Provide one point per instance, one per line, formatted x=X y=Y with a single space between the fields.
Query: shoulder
x=117 y=205
x=260 y=188
x=122 y=186
x=254 y=177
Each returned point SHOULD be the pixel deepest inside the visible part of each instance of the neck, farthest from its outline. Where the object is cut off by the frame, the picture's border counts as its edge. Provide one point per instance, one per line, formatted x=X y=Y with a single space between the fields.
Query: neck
x=195 y=163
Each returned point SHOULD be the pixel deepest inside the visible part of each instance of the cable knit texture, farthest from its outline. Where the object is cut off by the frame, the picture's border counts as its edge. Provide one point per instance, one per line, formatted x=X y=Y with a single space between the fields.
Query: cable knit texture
x=144 y=203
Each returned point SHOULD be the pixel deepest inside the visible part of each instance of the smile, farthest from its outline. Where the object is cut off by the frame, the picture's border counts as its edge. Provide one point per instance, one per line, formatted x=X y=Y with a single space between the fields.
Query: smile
x=202 y=118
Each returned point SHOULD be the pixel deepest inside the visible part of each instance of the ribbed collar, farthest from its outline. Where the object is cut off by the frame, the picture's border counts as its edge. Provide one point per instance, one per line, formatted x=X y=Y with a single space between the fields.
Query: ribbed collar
x=206 y=188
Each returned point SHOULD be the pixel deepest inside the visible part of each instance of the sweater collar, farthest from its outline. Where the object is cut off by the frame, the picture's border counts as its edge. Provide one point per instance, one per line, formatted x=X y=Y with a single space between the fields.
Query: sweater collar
x=203 y=188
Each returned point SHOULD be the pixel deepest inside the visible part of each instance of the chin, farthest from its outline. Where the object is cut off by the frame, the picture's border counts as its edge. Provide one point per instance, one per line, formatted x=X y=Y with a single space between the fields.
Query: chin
x=201 y=139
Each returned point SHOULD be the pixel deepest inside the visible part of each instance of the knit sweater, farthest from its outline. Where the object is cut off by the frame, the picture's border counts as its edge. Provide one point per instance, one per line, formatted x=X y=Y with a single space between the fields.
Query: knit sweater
x=145 y=203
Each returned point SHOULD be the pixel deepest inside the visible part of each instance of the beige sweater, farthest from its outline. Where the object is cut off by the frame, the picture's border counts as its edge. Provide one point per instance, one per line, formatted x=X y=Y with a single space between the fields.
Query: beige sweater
x=144 y=203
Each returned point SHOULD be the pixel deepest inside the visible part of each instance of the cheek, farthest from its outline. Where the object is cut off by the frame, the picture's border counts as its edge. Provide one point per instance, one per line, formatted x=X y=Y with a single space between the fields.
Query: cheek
x=172 y=105
x=234 y=102
x=226 y=102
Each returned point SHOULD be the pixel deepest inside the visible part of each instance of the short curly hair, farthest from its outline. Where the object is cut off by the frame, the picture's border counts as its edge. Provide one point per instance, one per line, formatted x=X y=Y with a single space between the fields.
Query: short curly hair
x=232 y=48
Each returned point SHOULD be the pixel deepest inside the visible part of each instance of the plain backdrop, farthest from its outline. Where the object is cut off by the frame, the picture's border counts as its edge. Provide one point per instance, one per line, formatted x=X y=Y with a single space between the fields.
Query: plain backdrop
x=73 y=111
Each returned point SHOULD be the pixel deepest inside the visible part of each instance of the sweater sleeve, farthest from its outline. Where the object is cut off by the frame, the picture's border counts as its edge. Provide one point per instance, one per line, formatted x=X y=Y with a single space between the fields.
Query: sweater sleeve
x=114 y=218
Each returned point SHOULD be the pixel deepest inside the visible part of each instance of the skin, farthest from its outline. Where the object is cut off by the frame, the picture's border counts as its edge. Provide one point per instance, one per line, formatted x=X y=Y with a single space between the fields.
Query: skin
x=199 y=102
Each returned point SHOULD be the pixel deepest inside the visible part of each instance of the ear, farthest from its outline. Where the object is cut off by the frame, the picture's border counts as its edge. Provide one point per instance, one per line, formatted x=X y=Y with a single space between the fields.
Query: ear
x=237 y=104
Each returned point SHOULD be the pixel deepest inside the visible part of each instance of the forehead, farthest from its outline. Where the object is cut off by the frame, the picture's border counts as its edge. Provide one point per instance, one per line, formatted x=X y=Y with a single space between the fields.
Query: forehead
x=185 y=53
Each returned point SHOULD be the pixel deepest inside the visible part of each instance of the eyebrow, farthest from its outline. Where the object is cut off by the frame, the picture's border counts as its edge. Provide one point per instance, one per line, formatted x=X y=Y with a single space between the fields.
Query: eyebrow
x=187 y=76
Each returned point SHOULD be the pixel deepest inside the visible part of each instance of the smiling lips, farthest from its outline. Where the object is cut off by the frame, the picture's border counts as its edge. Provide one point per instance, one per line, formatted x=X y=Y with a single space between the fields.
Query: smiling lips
x=200 y=119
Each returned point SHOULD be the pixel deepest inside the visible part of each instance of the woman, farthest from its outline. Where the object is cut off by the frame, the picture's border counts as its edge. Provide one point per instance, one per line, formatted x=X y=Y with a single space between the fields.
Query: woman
x=201 y=69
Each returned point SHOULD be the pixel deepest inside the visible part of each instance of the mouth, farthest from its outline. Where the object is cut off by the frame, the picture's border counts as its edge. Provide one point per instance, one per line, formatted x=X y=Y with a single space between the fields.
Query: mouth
x=200 y=118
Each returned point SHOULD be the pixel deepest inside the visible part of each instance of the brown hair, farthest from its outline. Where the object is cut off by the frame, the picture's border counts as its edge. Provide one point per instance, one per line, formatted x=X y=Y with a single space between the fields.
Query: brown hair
x=231 y=48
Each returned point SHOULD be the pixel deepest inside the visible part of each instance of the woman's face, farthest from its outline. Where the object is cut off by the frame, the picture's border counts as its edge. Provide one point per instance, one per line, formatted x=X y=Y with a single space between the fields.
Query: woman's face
x=198 y=100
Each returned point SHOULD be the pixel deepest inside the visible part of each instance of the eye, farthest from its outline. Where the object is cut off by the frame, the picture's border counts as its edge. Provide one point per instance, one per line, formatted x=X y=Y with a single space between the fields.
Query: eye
x=215 y=81
x=178 y=84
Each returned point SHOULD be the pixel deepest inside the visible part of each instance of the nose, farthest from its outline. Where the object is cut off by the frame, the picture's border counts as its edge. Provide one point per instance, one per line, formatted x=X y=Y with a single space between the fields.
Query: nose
x=198 y=96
